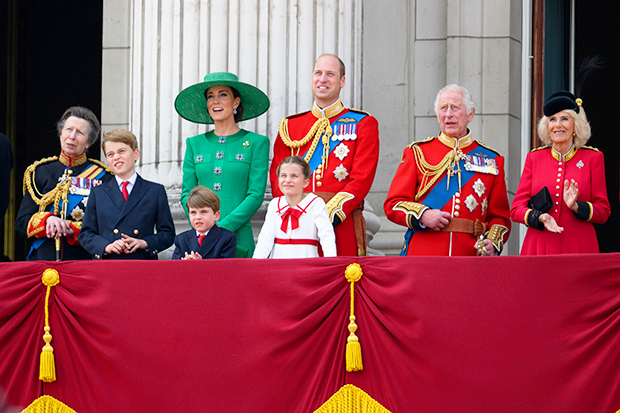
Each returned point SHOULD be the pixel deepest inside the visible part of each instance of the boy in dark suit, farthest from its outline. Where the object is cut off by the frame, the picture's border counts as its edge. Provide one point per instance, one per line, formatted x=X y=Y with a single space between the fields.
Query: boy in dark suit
x=121 y=215
x=205 y=240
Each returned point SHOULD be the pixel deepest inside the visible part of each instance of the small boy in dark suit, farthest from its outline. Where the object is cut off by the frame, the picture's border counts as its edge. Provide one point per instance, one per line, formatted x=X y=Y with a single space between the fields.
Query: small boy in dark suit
x=122 y=215
x=205 y=239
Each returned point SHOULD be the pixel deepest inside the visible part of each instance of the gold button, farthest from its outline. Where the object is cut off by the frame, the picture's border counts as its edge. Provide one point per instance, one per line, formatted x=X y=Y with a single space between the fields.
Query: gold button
x=559 y=169
x=557 y=195
x=115 y=231
x=319 y=184
x=318 y=177
x=560 y=163
x=458 y=194
x=135 y=231
x=155 y=252
x=456 y=214
x=457 y=207
x=557 y=187
x=458 y=201
x=556 y=211
x=556 y=202
x=97 y=256
x=557 y=180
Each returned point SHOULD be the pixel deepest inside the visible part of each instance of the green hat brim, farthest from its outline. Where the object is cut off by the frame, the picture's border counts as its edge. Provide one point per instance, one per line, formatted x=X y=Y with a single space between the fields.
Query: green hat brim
x=191 y=103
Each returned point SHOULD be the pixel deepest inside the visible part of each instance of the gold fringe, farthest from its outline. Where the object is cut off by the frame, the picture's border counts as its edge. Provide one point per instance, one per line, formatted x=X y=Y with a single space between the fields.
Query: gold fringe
x=353 y=356
x=47 y=404
x=351 y=399
x=47 y=367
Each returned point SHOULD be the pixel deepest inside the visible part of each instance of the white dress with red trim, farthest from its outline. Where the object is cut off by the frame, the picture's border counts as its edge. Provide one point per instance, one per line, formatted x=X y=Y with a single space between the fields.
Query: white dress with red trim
x=296 y=232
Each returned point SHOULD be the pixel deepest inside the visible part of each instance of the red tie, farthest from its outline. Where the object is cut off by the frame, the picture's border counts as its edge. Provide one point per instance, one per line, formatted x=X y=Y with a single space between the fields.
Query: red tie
x=124 y=190
x=200 y=239
x=291 y=214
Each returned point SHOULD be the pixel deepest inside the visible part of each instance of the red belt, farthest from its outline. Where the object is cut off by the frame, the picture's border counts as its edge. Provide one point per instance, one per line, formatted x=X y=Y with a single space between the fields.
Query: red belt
x=297 y=241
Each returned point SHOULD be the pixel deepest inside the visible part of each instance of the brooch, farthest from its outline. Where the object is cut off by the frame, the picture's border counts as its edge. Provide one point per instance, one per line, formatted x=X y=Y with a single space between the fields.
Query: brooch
x=219 y=155
x=479 y=187
x=341 y=151
x=580 y=164
x=471 y=203
x=340 y=173
x=239 y=157
x=246 y=144
x=199 y=158
x=485 y=205
x=217 y=170
x=222 y=139
x=217 y=187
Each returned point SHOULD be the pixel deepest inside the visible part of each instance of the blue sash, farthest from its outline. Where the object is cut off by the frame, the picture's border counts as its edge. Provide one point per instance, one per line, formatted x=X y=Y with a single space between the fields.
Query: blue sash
x=438 y=197
x=318 y=153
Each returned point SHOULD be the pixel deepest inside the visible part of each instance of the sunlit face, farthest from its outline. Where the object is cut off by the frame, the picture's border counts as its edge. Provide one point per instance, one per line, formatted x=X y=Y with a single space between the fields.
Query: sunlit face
x=203 y=219
x=221 y=102
x=291 y=179
x=121 y=158
x=561 y=127
x=327 y=81
x=452 y=115
x=74 y=136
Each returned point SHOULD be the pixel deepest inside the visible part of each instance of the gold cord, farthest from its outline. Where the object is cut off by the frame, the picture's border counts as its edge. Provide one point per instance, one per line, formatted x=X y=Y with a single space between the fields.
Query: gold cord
x=320 y=128
x=433 y=172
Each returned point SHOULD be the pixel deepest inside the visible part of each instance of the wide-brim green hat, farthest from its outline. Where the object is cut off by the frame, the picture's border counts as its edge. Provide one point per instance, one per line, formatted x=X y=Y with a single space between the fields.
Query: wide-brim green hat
x=191 y=103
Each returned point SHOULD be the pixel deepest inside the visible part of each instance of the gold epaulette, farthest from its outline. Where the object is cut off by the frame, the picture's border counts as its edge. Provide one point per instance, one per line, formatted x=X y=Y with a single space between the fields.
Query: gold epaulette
x=29 y=174
x=412 y=144
x=486 y=147
x=539 y=148
x=296 y=115
x=592 y=148
x=359 y=111
x=101 y=164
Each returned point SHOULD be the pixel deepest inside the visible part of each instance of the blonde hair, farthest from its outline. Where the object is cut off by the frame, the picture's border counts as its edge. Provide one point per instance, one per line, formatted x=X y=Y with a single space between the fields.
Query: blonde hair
x=120 y=135
x=201 y=197
x=582 y=128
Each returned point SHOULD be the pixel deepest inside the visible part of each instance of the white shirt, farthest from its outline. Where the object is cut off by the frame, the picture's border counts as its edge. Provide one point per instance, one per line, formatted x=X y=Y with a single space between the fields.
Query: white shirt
x=131 y=180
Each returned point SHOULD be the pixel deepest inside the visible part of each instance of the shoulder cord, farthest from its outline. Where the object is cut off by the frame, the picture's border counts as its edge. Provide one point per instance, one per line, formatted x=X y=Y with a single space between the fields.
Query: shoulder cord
x=320 y=127
x=430 y=171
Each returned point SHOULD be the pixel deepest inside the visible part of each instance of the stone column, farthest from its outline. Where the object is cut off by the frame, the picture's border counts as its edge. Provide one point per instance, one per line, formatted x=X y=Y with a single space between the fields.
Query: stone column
x=172 y=44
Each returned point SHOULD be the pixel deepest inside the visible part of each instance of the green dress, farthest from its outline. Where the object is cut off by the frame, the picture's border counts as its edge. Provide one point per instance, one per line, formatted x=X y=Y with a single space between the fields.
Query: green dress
x=235 y=168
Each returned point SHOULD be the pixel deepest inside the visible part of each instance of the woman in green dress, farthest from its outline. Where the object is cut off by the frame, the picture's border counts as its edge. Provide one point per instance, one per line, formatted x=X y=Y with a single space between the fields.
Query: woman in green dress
x=231 y=161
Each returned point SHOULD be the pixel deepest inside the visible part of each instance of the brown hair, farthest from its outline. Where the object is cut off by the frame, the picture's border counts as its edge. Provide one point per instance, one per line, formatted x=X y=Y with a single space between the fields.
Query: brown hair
x=237 y=116
x=120 y=135
x=297 y=160
x=82 y=113
x=201 y=197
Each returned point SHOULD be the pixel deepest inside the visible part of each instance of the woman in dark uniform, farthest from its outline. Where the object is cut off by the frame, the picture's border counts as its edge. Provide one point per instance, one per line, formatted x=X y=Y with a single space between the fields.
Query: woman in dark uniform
x=56 y=190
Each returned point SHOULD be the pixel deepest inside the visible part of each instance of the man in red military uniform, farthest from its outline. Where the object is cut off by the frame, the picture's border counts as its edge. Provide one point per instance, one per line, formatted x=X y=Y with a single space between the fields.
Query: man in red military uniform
x=450 y=190
x=342 y=147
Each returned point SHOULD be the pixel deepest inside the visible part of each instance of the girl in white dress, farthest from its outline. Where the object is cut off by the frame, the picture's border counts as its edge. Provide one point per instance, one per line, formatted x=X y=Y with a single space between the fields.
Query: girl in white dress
x=296 y=223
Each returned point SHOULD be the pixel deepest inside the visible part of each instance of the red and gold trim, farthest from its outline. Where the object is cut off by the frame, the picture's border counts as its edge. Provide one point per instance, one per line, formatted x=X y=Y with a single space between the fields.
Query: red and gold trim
x=36 y=225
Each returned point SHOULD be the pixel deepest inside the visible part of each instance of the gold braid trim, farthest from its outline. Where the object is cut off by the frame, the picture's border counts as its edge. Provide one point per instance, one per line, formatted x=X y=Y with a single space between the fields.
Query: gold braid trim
x=351 y=399
x=101 y=164
x=432 y=172
x=54 y=196
x=321 y=127
x=29 y=177
x=496 y=235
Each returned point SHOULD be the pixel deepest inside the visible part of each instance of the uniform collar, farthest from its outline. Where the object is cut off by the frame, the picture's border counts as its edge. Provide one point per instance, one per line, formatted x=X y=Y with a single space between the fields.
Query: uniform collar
x=72 y=160
x=453 y=143
x=329 y=112
x=566 y=157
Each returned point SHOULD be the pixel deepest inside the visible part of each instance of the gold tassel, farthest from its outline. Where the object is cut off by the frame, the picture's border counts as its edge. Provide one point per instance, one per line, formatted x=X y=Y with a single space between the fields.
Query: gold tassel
x=47 y=367
x=353 y=273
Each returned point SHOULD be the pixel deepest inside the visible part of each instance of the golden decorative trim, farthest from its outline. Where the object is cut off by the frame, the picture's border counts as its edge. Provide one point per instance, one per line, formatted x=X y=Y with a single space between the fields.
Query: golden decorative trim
x=496 y=235
x=329 y=112
x=351 y=399
x=431 y=173
x=72 y=160
x=334 y=205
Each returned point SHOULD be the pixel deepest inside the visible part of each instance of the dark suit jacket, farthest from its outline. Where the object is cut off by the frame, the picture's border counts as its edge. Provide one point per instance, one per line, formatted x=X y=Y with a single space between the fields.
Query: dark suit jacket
x=219 y=243
x=108 y=216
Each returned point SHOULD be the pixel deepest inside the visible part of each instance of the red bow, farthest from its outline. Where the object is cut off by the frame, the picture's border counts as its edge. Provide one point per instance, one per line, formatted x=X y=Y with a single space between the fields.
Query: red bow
x=291 y=214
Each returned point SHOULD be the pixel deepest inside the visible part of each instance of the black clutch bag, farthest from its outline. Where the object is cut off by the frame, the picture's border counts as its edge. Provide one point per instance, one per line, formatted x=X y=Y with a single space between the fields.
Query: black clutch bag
x=541 y=201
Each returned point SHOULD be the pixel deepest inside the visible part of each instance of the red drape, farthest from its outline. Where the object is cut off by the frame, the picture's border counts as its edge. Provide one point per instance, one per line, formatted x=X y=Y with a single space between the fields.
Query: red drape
x=510 y=334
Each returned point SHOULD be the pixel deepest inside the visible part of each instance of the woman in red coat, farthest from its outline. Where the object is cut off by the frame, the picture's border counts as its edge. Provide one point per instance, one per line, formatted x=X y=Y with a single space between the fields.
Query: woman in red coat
x=562 y=190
